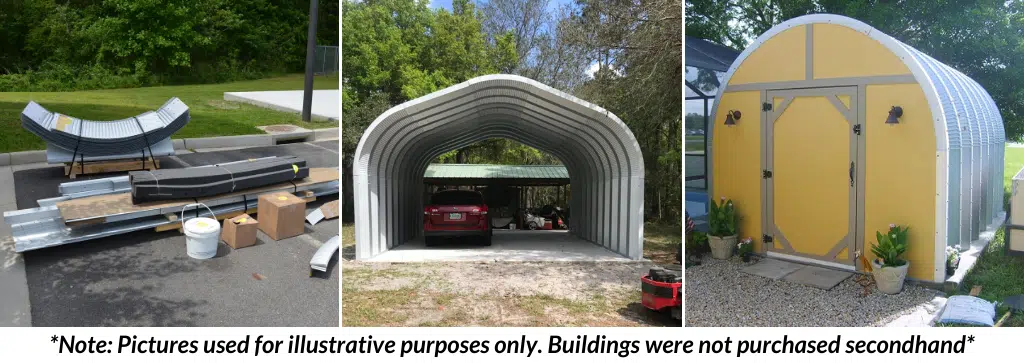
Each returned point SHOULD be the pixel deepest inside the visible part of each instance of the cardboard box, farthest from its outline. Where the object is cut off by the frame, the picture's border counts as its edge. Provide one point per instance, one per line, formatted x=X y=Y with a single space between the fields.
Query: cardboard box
x=239 y=232
x=282 y=215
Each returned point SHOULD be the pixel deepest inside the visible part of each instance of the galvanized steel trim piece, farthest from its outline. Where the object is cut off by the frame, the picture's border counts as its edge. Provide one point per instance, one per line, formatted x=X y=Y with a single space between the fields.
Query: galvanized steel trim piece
x=598 y=149
x=969 y=132
x=322 y=258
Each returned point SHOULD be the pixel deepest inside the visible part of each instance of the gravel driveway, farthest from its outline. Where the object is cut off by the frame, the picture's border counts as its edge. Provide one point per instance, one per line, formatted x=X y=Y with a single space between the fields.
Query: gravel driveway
x=718 y=294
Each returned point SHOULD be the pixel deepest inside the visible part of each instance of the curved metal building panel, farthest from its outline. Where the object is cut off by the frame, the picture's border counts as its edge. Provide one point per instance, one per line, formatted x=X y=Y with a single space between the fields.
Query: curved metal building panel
x=103 y=138
x=969 y=136
x=599 y=151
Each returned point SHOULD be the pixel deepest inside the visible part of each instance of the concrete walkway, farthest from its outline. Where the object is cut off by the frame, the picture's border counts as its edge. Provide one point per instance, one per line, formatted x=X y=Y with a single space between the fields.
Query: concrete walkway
x=326 y=103
x=14 y=303
x=505 y=246
x=814 y=276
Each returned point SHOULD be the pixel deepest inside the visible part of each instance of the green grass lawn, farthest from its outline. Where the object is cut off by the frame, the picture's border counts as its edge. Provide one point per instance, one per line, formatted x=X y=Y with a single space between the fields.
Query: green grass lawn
x=1000 y=275
x=211 y=115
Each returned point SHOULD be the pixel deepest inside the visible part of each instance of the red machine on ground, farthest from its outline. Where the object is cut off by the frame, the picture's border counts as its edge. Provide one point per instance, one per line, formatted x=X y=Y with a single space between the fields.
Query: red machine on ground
x=661 y=290
x=661 y=287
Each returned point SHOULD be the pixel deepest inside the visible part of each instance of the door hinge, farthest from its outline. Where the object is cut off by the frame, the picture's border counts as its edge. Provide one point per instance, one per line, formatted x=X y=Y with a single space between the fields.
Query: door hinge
x=766 y=174
x=856 y=129
x=766 y=238
x=767 y=106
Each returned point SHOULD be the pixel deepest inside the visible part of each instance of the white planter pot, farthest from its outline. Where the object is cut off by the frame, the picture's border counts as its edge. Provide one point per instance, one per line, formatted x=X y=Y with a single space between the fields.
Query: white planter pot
x=722 y=247
x=889 y=279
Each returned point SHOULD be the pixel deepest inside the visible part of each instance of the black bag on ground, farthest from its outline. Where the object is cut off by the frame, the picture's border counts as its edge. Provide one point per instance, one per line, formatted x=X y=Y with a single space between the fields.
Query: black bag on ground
x=210 y=180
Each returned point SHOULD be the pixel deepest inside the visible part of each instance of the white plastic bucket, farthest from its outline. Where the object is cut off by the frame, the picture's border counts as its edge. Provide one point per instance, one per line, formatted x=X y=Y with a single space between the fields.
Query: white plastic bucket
x=202 y=234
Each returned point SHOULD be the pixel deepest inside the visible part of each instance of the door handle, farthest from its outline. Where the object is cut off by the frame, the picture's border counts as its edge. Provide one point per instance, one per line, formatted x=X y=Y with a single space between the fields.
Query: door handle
x=851 y=173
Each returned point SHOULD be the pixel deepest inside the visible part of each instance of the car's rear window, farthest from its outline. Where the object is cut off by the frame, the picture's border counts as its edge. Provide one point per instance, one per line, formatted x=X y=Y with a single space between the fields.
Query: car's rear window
x=456 y=198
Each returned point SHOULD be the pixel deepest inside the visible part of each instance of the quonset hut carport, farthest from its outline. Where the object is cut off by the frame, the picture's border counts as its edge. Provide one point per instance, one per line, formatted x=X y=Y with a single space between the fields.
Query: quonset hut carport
x=602 y=156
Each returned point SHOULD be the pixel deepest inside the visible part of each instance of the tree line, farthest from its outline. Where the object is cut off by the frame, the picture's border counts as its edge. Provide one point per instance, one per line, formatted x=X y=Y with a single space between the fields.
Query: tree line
x=623 y=56
x=58 y=45
x=984 y=39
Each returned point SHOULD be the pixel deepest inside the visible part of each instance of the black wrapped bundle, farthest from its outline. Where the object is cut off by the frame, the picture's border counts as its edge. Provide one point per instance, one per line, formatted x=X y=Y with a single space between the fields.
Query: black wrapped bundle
x=205 y=181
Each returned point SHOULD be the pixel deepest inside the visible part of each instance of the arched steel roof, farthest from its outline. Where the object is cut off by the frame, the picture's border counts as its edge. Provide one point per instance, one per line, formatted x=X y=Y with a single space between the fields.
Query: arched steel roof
x=599 y=151
x=969 y=131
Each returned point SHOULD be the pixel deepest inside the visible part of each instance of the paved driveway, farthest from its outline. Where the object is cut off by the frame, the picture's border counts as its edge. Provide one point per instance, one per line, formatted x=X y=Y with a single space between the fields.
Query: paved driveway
x=146 y=279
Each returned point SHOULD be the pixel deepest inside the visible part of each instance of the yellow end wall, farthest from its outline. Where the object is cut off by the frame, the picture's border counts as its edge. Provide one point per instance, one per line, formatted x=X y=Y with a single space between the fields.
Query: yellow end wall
x=899 y=184
x=843 y=52
x=762 y=65
x=736 y=161
x=900 y=172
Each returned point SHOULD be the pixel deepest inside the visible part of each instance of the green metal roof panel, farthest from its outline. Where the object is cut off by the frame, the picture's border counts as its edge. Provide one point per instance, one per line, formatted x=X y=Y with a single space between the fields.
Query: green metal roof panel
x=491 y=171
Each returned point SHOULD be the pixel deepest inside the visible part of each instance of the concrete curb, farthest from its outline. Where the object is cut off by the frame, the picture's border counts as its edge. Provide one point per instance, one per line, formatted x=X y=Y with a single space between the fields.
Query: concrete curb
x=39 y=156
x=971 y=256
x=229 y=141
x=28 y=157
x=326 y=134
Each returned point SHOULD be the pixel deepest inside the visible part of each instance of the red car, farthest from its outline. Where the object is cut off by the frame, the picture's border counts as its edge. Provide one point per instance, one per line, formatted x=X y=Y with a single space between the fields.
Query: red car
x=456 y=213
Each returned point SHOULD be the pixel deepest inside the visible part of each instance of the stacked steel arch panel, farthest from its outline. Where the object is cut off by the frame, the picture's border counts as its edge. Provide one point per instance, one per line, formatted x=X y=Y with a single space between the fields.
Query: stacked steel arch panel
x=105 y=138
x=210 y=180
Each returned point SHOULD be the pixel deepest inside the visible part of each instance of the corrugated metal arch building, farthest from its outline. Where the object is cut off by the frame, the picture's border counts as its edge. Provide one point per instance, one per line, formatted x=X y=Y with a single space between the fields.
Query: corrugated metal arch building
x=940 y=170
x=600 y=152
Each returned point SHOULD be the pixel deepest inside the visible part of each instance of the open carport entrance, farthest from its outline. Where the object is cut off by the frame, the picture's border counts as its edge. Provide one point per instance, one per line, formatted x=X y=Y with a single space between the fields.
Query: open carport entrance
x=598 y=150
x=515 y=196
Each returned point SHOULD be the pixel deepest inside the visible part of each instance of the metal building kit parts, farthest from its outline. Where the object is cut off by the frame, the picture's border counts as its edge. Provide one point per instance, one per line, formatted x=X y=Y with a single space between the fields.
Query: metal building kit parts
x=204 y=181
x=598 y=149
x=88 y=188
x=322 y=258
x=49 y=226
x=106 y=138
x=56 y=155
x=315 y=217
x=327 y=211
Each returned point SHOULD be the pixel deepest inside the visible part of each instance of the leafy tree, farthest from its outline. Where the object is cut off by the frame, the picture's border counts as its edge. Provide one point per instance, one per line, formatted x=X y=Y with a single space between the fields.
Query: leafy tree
x=60 y=45
x=638 y=47
x=401 y=49
x=981 y=38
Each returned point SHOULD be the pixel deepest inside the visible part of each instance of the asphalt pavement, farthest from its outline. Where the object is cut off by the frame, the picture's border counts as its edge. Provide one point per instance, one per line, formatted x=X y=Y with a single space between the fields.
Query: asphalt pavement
x=146 y=279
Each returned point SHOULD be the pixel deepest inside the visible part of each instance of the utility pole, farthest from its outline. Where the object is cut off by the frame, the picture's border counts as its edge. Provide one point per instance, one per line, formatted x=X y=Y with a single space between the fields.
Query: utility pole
x=307 y=93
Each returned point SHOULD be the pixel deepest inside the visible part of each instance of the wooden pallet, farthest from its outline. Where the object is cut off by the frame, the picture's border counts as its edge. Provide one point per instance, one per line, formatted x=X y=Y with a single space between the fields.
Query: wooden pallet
x=173 y=223
x=73 y=170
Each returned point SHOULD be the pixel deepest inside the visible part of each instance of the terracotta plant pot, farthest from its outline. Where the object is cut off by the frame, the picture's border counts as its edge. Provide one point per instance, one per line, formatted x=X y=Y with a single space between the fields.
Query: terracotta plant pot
x=722 y=247
x=889 y=279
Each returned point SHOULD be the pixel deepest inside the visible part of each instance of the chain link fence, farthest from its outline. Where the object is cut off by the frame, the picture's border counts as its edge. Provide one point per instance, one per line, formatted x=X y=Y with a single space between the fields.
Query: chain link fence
x=326 y=60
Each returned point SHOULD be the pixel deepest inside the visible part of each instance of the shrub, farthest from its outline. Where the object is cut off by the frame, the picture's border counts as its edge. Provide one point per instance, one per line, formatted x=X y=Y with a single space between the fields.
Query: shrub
x=697 y=244
x=722 y=219
x=745 y=246
x=891 y=246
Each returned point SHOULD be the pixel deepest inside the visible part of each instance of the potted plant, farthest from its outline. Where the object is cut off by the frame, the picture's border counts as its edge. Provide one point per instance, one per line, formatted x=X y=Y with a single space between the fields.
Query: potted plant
x=889 y=268
x=952 y=260
x=722 y=221
x=745 y=248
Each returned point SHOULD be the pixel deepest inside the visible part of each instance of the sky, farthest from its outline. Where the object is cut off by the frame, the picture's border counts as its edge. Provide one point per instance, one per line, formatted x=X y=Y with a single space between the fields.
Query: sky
x=447 y=4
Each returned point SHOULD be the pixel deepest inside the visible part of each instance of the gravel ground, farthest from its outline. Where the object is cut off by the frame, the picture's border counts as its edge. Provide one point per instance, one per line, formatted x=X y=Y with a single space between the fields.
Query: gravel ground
x=718 y=294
